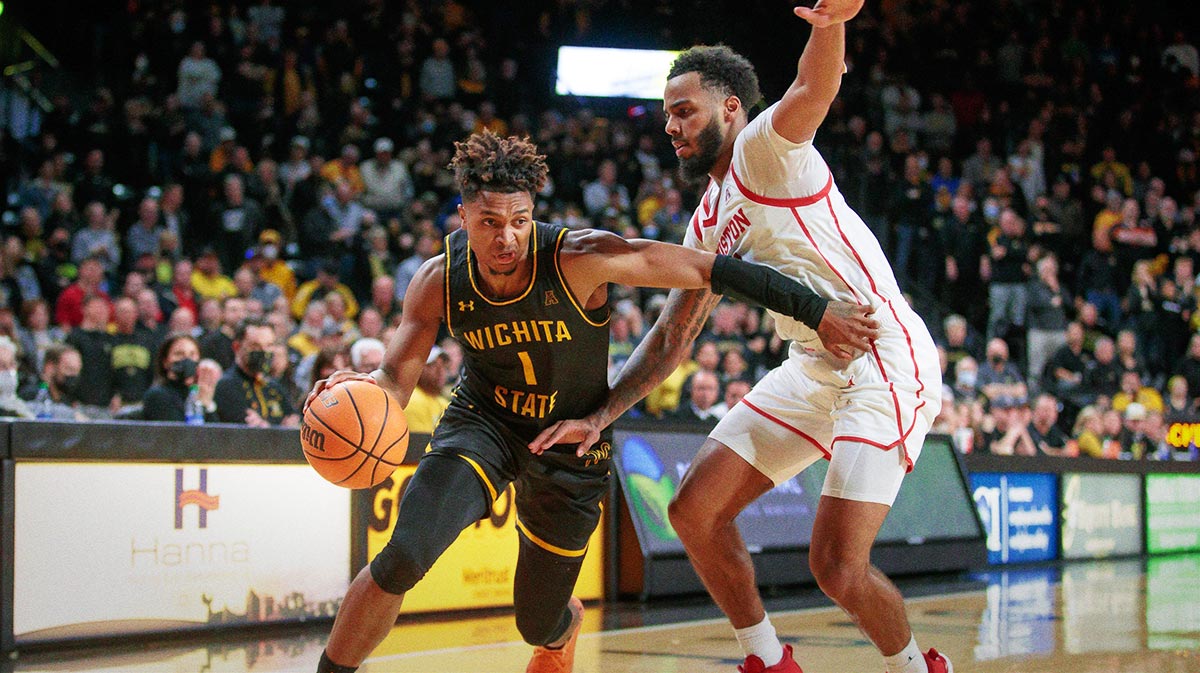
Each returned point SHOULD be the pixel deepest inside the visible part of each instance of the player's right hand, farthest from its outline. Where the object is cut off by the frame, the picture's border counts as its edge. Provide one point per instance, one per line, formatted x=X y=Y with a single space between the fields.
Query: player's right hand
x=337 y=377
x=828 y=12
x=847 y=329
x=584 y=431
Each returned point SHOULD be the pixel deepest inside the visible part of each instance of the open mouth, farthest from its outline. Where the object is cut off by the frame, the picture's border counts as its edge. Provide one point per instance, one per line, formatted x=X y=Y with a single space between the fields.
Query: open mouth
x=506 y=257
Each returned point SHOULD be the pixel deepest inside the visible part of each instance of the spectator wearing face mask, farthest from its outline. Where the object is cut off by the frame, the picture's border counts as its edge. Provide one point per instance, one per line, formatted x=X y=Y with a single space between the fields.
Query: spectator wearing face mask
x=177 y=368
x=60 y=373
x=10 y=404
x=247 y=393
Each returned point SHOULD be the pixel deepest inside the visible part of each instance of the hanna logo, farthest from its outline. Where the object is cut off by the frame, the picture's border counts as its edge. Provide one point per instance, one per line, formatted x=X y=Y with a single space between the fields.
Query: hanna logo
x=196 y=496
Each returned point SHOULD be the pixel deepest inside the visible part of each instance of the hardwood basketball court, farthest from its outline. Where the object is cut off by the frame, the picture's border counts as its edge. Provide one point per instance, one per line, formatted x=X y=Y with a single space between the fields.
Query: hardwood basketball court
x=1132 y=616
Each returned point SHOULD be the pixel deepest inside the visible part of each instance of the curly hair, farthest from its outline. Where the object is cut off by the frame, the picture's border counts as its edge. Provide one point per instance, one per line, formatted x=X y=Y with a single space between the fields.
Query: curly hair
x=720 y=68
x=487 y=162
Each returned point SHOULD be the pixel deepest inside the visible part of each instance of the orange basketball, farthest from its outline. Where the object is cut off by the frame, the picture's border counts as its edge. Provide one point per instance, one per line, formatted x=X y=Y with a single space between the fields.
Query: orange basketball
x=354 y=434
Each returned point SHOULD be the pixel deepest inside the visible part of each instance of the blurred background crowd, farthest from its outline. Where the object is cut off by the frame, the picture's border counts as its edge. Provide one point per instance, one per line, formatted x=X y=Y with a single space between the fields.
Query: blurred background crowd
x=224 y=201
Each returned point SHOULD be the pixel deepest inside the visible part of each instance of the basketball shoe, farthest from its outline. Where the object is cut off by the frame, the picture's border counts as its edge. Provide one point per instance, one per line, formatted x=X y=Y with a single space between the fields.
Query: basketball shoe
x=937 y=663
x=786 y=665
x=561 y=660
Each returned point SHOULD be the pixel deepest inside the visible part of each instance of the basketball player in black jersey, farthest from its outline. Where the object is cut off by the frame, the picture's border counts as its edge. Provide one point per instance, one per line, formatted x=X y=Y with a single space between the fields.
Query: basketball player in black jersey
x=528 y=303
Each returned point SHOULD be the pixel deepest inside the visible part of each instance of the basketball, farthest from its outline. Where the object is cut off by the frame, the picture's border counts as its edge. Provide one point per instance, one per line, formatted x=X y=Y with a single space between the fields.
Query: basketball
x=354 y=434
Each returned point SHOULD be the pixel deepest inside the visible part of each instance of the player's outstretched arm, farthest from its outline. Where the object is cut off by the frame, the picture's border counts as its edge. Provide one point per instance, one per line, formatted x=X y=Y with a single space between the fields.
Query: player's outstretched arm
x=591 y=259
x=819 y=73
x=405 y=356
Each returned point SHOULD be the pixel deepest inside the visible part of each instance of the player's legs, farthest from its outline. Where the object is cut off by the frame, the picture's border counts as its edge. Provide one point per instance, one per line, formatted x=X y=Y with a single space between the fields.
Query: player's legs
x=542 y=592
x=718 y=485
x=840 y=559
x=558 y=508
x=756 y=446
x=443 y=497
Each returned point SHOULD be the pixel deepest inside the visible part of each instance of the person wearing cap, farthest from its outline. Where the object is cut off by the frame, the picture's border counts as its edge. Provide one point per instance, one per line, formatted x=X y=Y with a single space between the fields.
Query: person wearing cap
x=1009 y=434
x=222 y=156
x=345 y=167
x=428 y=402
x=388 y=186
x=269 y=265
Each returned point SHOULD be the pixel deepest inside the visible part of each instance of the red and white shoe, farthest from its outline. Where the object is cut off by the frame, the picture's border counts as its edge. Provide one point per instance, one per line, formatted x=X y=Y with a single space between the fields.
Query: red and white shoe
x=786 y=665
x=937 y=663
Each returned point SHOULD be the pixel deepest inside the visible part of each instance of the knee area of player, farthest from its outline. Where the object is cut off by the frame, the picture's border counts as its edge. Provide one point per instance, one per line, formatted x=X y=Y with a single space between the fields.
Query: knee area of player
x=397 y=569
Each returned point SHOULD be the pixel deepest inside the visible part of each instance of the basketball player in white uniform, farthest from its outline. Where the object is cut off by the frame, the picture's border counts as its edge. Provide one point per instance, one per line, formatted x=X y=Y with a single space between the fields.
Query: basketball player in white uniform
x=772 y=200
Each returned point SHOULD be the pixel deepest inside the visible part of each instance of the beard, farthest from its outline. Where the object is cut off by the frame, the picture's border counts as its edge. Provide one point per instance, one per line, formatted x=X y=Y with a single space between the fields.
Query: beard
x=708 y=146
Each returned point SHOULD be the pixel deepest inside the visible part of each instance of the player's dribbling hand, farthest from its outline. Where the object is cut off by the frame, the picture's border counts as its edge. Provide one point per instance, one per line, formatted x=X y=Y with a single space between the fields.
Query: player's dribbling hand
x=337 y=377
x=828 y=12
x=847 y=329
x=582 y=431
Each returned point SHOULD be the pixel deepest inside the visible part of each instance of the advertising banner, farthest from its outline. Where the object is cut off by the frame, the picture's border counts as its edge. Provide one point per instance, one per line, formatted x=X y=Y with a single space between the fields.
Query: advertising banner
x=1019 y=512
x=651 y=465
x=1101 y=515
x=114 y=549
x=1172 y=512
x=478 y=569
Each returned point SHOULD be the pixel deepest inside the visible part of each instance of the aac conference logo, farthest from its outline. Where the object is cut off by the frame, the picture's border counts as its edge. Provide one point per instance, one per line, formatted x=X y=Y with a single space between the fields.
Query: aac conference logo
x=200 y=497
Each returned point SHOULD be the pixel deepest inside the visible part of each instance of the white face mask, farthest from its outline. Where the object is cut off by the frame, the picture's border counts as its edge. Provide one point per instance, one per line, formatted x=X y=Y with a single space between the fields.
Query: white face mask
x=8 y=383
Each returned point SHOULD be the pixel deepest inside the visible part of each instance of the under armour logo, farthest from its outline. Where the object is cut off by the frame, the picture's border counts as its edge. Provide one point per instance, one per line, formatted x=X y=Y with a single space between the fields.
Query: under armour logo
x=466 y=305
x=551 y=300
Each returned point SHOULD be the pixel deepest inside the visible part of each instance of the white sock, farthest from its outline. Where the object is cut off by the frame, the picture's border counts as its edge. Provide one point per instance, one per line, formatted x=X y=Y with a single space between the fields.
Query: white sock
x=908 y=660
x=761 y=641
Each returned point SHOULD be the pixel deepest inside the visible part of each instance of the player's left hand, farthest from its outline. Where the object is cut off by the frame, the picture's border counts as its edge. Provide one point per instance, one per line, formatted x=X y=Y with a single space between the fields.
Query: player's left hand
x=584 y=431
x=829 y=12
x=847 y=329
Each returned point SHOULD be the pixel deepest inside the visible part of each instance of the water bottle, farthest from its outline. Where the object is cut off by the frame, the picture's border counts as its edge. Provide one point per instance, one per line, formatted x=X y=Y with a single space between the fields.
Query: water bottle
x=193 y=408
x=43 y=404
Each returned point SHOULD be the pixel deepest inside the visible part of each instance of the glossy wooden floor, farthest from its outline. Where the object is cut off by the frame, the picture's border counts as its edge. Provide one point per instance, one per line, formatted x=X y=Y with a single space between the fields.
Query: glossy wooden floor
x=1129 y=616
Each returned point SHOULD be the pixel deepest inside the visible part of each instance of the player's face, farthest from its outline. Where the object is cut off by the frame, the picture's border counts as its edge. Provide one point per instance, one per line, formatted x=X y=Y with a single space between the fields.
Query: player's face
x=698 y=123
x=498 y=227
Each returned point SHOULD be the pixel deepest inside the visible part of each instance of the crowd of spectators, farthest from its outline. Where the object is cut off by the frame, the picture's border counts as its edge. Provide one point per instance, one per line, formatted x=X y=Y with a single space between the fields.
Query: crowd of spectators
x=236 y=196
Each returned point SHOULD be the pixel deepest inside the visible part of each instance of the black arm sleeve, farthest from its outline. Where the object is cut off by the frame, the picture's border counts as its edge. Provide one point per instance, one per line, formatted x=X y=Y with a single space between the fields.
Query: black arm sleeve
x=760 y=284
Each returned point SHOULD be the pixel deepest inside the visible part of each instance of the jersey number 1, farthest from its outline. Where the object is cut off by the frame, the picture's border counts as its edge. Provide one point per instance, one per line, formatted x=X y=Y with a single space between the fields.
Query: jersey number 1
x=527 y=365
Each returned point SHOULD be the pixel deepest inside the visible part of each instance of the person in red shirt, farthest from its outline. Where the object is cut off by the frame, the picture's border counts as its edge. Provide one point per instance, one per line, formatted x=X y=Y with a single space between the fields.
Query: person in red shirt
x=68 y=311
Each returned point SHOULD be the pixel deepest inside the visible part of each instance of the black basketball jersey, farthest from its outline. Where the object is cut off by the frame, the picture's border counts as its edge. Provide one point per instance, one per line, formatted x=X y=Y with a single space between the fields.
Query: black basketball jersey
x=531 y=360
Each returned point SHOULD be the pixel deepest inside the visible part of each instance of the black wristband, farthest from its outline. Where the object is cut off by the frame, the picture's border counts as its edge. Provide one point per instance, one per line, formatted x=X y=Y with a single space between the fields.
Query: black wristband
x=760 y=284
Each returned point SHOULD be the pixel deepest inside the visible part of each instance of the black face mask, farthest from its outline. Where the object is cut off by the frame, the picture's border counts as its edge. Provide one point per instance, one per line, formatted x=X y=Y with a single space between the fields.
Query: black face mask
x=184 y=369
x=258 y=362
x=69 y=386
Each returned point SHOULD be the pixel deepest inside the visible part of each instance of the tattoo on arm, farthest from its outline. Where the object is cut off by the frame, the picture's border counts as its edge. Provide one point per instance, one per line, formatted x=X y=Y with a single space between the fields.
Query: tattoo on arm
x=665 y=346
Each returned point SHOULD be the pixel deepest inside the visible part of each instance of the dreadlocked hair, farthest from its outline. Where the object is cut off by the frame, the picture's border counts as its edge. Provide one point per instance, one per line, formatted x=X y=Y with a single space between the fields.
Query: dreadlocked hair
x=720 y=68
x=487 y=162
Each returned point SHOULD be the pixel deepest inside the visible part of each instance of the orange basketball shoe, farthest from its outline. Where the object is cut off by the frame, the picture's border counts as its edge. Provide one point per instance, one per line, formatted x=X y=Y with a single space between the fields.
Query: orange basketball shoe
x=561 y=660
x=937 y=663
x=786 y=665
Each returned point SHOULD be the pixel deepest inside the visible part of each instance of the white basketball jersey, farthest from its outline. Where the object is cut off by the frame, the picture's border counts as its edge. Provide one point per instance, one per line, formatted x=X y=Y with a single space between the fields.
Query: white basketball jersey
x=778 y=205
